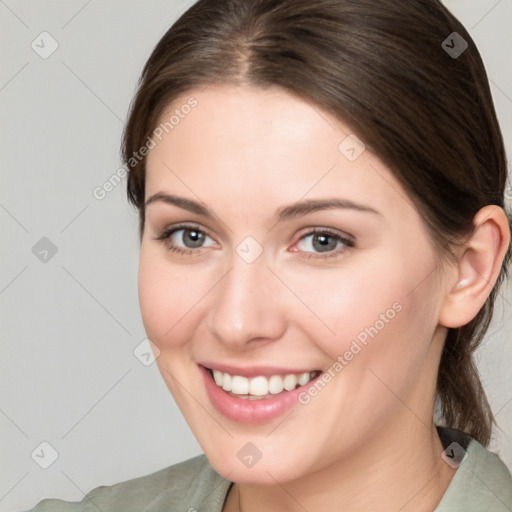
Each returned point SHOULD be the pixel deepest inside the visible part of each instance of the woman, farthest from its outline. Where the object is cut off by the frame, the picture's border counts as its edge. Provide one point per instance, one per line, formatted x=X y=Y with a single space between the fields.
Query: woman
x=320 y=189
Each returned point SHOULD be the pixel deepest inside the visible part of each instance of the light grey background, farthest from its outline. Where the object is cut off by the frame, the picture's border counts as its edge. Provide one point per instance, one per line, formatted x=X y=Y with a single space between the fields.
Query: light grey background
x=70 y=325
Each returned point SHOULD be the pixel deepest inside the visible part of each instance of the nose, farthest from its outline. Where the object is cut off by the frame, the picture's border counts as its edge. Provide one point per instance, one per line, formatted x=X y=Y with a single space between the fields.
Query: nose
x=247 y=306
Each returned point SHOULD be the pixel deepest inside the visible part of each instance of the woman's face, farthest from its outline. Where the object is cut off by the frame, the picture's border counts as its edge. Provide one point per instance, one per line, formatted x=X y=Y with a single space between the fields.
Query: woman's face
x=251 y=290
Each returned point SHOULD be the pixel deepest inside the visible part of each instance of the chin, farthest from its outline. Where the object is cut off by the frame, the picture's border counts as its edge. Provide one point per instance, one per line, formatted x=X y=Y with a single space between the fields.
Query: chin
x=256 y=460
x=261 y=473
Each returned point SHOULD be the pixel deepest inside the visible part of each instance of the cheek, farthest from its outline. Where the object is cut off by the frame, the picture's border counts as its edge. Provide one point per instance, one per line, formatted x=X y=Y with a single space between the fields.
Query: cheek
x=167 y=299
x=381 y=334
x=348 y=310
x=345 y=303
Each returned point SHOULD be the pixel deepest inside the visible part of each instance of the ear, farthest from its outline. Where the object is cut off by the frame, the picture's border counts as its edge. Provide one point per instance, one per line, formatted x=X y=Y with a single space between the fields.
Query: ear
x=478 y=267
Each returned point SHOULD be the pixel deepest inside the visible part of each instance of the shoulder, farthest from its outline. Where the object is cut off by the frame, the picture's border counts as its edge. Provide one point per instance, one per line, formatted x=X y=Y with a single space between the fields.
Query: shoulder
x=481 y=482
x=188 y=485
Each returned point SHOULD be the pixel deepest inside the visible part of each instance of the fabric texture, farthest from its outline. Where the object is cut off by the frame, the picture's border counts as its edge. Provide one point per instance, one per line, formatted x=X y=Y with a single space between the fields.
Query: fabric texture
x=482 y=483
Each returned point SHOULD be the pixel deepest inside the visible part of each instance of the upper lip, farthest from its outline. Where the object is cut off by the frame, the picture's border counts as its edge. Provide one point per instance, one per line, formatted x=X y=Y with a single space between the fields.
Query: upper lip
x=254 y=371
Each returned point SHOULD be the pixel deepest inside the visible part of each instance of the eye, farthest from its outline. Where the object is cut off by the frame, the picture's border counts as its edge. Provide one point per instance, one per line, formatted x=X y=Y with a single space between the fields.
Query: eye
x=322 y=243
x=319 y=243
x=189 y=236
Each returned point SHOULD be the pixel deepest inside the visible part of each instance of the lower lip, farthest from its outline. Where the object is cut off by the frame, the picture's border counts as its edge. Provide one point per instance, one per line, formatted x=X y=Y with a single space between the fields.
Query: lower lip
x=251 y=411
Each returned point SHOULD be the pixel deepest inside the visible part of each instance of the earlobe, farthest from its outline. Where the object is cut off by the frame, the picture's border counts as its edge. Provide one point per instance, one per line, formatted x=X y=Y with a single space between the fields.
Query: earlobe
x=478 y=267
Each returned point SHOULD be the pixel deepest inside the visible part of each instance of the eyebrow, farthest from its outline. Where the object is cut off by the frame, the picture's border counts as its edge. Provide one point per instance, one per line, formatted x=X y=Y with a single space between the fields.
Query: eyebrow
x=298 y=209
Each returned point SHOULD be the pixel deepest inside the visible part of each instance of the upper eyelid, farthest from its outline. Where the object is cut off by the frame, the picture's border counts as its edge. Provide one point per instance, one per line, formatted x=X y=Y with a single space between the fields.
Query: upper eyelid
x=167 y=232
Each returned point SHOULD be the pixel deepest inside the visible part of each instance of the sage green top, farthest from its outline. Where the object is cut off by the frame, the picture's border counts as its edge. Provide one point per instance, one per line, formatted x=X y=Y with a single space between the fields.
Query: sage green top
x=481 y=483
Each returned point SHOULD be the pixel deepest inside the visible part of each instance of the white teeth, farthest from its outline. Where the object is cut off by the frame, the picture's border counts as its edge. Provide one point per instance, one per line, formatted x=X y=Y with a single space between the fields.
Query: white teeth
x=261 y=386
x=240 y=385
x=218 y=377
x=226 y=382
x=275 y=384
x=304 y=378
x=290 y=382
x=258 y=386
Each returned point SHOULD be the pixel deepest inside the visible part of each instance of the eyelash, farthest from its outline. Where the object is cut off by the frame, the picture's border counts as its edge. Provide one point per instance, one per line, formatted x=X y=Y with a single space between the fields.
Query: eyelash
x=348 y=243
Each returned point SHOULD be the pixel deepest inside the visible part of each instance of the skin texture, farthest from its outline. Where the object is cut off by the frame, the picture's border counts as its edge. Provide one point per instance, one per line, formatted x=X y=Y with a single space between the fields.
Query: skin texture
x=367 y=440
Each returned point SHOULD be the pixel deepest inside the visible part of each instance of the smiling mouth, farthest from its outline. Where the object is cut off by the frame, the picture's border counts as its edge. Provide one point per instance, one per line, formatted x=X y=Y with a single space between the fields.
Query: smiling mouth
x=260 y=387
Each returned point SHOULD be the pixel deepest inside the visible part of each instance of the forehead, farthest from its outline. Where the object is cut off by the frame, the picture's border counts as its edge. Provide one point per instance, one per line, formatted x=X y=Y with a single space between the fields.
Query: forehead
x=264 y=146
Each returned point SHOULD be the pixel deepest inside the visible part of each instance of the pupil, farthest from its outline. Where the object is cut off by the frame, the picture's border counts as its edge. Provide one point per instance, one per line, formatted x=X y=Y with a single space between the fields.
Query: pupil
x=195 y=238
x=324 y=244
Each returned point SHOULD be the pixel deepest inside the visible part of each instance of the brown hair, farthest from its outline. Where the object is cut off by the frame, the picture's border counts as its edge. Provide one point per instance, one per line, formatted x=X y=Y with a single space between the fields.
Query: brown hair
x=378 y=65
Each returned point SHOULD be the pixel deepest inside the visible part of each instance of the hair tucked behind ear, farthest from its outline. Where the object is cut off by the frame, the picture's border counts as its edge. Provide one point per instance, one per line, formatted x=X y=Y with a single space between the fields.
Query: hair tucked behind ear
x=378 y=65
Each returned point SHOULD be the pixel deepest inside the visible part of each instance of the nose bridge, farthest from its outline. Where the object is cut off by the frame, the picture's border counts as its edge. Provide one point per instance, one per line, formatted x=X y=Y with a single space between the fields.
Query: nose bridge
x=245 y=305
